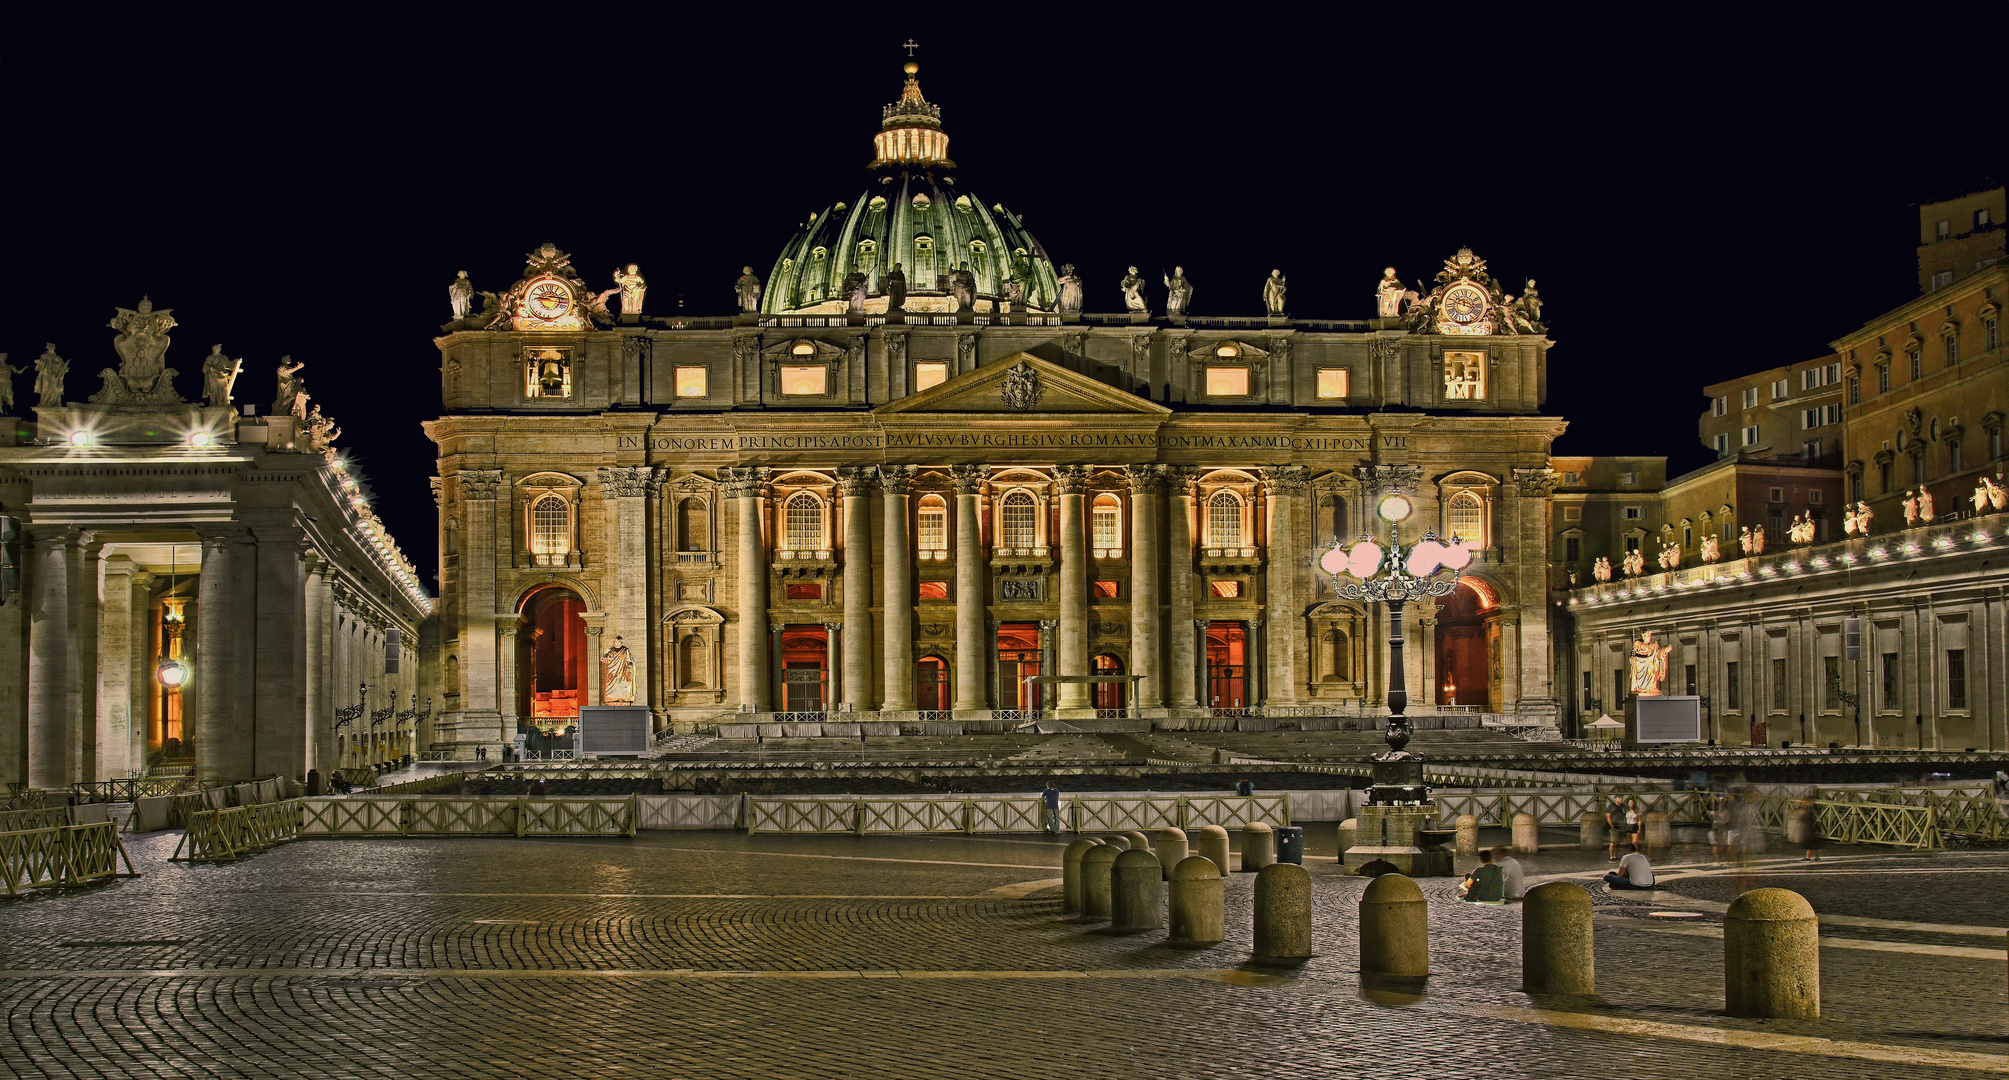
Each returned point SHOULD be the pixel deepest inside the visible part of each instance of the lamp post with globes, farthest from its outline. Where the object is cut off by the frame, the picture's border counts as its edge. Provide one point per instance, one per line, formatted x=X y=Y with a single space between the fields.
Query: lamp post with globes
x=1395 y=575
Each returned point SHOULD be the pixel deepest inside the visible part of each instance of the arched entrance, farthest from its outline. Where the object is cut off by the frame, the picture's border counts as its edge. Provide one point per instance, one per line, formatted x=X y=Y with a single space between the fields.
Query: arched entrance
x=1109 y=696
x=1463 y=671
x=551 y=659
x=931 y=684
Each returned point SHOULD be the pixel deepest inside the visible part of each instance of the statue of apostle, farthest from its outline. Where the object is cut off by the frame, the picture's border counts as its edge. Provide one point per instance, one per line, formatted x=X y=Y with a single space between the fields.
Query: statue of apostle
x=219 y=374
x=854 y=292
x=292 y=397
x=460 y=294
x=8 y=371
x=748 y=288
x=1070 y=290
x=1133 y=293
x=1649 y=665
x=633 y=287
x=49 y=372
x=617 y=675
x=896 y=288
x=1178 y=292
x=1388 y=294
x=963 y=284
x=1273 y=294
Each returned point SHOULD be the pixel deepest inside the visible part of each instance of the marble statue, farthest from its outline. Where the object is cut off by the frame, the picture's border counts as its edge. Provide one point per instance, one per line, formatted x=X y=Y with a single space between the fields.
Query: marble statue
x=49 y=372
x=1758 y=540
x=1744 y=540
x=321 y=431
x=1601 y=569
x=596 y=303
x=1133 y=292
x=1980 y=496
x=1531 y=302
x=633 y=288
x=1711 y=550
x=1848 y=520
x=460 y=294
x=896 y=288
x=1388 y=294
x=7 y=387
x=1988 y=493
x=963 y=286
x=1910 y=508
x=1019 y=279
x=1861 y=515
x=1925 y=513
x=142 y=377
x=1070 y=290
x=749 y=291
x=1179 y=292
x=854 y=292
x=219 y=374
x=1273 y=293
x=292 y=396
x=617 y=675
x=1649 y=665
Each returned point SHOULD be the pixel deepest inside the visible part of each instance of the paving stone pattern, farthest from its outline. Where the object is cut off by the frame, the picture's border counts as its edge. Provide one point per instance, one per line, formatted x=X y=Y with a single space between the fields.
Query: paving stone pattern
x=716 y=955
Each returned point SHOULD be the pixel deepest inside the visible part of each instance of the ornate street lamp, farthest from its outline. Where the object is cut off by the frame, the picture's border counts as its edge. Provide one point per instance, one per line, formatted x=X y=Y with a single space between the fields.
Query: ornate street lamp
x=1395 y=575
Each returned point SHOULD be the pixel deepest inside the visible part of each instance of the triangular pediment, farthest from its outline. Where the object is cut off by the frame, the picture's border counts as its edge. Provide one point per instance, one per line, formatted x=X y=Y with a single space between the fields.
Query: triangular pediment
x=994 y=389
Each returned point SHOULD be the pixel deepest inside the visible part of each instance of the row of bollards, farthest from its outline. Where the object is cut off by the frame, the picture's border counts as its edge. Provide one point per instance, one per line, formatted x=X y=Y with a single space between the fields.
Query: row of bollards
x=1771 y=937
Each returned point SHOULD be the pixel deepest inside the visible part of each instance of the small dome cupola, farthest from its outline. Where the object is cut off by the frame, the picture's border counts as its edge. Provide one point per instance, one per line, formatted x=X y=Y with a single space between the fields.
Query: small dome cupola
x=910 y=132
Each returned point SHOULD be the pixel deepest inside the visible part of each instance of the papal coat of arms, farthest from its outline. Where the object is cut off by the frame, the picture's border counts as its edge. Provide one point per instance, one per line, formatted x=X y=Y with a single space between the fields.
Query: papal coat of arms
x=1021 y=390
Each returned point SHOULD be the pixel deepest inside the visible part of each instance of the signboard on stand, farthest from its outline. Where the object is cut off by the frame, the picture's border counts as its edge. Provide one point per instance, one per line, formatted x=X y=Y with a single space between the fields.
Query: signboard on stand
x=614 y=730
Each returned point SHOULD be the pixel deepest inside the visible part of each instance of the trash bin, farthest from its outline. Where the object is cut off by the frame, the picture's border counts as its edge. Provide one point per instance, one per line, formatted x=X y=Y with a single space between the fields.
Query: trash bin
x=1290 y=844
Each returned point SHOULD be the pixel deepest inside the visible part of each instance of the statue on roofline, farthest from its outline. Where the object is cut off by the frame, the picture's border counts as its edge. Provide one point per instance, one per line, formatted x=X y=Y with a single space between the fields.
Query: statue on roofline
x=748 y=288
x=896 y=288
x=963 y=286
x=50 y=370
x=633 y=288
x=1133 y=293
x=219 y=374
x=1273 y=294
x=1070 y=290
x=1178 y=292
x=460 y=295
x=7 y=384
x=292 y=397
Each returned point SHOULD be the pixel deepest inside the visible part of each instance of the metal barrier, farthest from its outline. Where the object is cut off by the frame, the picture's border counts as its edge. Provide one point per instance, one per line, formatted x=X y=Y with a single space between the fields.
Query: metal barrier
x=61 y=856
x=884 y=814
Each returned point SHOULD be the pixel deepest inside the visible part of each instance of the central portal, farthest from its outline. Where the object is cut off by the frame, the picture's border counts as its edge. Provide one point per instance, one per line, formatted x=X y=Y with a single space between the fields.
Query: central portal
x=1018 y=661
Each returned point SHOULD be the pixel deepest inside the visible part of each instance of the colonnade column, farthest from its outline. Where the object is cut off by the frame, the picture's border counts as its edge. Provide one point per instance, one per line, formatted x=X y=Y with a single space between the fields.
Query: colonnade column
x=1182 y=689
x=82 y=708
x=1072 y=482
x=49 y=657
x=899 y=593
x=319 y=722
x=854 y=487
x=122 y=677
x=744 y=487
x=1289 y=562
x=971 y=605
x=215 y=665
x=278 y=656
x=1147 y=483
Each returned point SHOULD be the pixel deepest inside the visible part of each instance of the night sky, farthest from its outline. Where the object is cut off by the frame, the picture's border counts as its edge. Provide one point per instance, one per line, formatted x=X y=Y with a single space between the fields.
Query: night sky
x=1697 y=201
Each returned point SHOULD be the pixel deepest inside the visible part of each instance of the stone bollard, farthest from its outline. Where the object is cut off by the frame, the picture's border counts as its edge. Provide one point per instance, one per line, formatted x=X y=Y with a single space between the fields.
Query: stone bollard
x=1095 y=880
x=1119 y=841
x=1658 y=832
x=1136 y=892
x=1468 y=836
x=1349 y=832
x=1213 y=844
x=1772 y=957
x=1198 y=901
x=1590 y=832
x=1259 y=846
x=1527 y=838
x=1171 y=851
x=1394 y=929
x=1070 y=875
x=1283 y=912
x=1556 y=955
x=1138 y=841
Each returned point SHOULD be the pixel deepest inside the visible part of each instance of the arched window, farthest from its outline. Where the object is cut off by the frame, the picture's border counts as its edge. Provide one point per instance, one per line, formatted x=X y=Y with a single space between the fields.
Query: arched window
x=1106 y=522
x=805 y=522
x=1224 y=520
x=550 y=530
x=1021 y=524
x=1466 y=518
x=933 y=534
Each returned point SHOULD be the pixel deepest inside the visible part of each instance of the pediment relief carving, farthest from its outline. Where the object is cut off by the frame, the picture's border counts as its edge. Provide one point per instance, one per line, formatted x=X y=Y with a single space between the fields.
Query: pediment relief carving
x=1000 y=385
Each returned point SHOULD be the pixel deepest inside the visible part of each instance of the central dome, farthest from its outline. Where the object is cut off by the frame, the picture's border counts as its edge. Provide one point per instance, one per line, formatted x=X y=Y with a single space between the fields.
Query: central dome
x=915 y=215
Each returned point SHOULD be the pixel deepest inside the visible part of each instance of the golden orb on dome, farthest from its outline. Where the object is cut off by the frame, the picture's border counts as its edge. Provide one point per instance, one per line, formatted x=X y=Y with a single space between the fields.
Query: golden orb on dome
x=912 y=68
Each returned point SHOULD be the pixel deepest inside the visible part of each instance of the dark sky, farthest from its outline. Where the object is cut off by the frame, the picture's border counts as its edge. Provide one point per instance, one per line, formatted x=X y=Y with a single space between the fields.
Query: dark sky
x=1697 y=199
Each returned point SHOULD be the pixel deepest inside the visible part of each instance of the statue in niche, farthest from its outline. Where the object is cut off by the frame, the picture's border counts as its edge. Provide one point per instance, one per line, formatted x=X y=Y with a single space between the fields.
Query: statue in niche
x=1649 y=665
x=321 y=431
x=50 y=370
x=1925 y=513
x=1389 y=294
x=748 y=288
x=963 y=285
x=896 y=288
x=633 y=288
x=7 y=384
x=854 y=292
x=219 y=374
x=1273 y=293
x=1070 y=290
x=1133 y=293
x=292 y=396
x=1910 y=508
x=1179 y=292
x=617 y=675
x=460 y=295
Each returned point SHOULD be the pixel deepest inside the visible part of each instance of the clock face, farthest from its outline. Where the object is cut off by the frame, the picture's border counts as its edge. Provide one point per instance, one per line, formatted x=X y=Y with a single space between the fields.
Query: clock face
x=1464 y=304
x=1394 y=508
x=548 y=300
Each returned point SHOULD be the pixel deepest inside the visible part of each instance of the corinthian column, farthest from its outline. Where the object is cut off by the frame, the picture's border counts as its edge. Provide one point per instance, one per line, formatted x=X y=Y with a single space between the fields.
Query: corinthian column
x=744 y=487
x=854 y=487
x=49 y=658
x=1072 y=480
x=629 y=493
x=970 y=600
x=1147 y=482
x=898 y=619
x=1289 y=555
x=216 y=668
x=1181 y=688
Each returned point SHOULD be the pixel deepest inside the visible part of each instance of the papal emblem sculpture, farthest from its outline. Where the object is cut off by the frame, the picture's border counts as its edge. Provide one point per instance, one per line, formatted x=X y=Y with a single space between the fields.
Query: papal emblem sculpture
x=1021 y=390
x=143 y=377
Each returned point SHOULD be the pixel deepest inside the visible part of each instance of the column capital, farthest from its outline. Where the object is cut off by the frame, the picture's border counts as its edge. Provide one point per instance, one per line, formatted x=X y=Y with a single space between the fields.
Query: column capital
x=968 y=479
x=479 y=484
x=744 y=482
x=1536 y=483
x=1179 y=479
x=856 y=481
x=145 y=578
x=895 y=479
x=834 y=625
x=1145 y=479
x=1286 y=480
x=1070 y=479
x=774 y=628
x=595 y=631
x=629 y=483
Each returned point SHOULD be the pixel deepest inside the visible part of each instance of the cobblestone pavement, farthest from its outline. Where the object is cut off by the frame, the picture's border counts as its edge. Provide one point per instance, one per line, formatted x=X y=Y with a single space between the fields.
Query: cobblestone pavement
x=718 y=955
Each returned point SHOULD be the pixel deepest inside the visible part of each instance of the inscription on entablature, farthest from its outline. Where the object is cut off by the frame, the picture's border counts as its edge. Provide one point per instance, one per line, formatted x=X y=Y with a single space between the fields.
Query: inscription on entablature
x=984 y=440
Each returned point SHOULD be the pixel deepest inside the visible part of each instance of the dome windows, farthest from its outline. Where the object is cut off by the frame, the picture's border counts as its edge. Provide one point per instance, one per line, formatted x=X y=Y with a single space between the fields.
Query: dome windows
x=877 y=204
x=963 y=204
x=922 y=202
x=977 y=248
x=821 y=253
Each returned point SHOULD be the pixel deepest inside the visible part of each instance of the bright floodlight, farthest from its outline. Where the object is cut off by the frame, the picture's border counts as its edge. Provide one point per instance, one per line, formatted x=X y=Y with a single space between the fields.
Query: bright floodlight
x=80 y=438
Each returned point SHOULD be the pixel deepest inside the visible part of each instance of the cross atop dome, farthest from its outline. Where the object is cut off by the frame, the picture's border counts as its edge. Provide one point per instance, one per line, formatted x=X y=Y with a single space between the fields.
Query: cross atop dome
x=910 y=129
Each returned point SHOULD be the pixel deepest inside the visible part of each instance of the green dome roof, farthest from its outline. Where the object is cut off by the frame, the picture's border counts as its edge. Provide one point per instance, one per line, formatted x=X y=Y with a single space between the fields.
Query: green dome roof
x=913 y=213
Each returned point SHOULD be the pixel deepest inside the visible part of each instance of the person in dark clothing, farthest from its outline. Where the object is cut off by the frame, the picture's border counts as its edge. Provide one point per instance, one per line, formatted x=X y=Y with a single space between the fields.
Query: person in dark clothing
x=1052 y=798
x=1246 y=787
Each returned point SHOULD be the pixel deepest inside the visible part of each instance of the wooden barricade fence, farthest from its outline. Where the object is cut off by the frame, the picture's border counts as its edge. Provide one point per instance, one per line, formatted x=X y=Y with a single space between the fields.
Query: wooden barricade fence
x=889 y=814
x=61 y=856
x=1844 y=822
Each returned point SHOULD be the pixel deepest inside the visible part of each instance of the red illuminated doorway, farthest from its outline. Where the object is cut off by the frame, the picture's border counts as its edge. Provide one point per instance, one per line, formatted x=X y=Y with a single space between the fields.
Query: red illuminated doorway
x=805 y=668
x=556 y=683
x=1461 y=667
x=1227 y=666
x=931 y=684
x=1109 y=696
x=1018 y=660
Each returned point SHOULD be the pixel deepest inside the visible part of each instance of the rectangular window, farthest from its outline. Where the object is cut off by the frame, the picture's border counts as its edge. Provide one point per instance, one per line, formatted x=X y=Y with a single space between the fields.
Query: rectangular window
x=1103 y=525
x=1227 y=590
x=1831 y=682
x=1782 y=389
x=1810 y=449
x=1572 y=549
x=1227 y=382
x=1942 y=279
x=1952 y=350
x=932 y=590
x=1632 y=543
x=934 y=530
x=1690 y=672
x=1751 y=435
x=1572 y=513
x=1778 y=686
x=805 y=381
x=929 y=373
x=1332 y=383
x=1883 y=378
x=1890 y=699
x=1810 y=378
x=1632 y=513
x=1106 y=590
x=1777 y=495
x=1732 y=694
x=1917 y=362
x=1721 y=406
x=1810 y=418
x=1991 y=334
x=1994 y=443
x=804 y=591
x=1464 y=376
x=1722 y=442
x=693 y=381
x=1955 y=462
x=1855 y=391
x=1586 y=690
x=1751 y=398
x=1833 y=374
x=1856 y=487
x=1956 y=678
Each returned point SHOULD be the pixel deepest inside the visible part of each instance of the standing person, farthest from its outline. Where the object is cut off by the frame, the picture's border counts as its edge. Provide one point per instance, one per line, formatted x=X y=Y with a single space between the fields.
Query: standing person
x=1614 y=824
x=1804 y=829
x=1632 y=821
x=1719 y=829
x=1634 y=871
x=1512 y=870
x=1245 y=787
x=1052 y=797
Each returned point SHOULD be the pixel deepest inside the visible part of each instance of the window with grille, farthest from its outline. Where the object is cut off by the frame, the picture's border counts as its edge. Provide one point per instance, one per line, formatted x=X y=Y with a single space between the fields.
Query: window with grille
x=1106 y=525
x=1224 y=520
x=805 y=522
x=1021 y=520
x=1956 y=678
x=1952 y=350
x=1467 y=518
x=934 y=520
x=550 y=529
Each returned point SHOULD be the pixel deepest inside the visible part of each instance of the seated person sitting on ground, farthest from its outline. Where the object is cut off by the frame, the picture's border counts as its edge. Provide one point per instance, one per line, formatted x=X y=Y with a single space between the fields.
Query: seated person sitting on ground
x=1512 y=872
x=1633 y=872
x=1486 y=884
